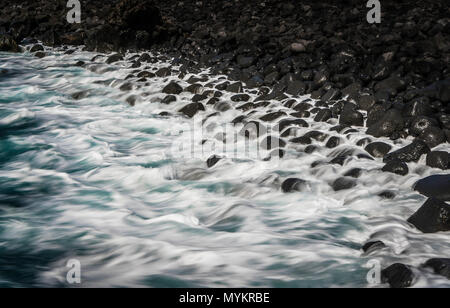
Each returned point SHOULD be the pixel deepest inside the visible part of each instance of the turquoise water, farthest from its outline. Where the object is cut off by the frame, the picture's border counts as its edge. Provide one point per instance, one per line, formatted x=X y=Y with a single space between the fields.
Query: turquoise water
x=96 y=180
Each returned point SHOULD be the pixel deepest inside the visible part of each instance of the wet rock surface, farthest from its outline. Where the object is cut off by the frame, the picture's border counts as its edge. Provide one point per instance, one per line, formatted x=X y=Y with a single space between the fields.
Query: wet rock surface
x=440 y=266
x=433 y=216
x=409 y=153
x=294 y=184
x=378 y=149
x=397 y=167
x=398 y=275
x=438 y=159
x=435 y=186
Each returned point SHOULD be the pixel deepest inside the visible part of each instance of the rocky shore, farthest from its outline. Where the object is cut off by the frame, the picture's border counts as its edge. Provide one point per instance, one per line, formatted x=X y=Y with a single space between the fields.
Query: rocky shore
x=390 y=80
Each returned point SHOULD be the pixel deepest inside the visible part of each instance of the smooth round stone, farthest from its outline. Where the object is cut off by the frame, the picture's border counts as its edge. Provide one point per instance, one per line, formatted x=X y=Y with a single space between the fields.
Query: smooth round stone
x=378 y=149
x=397 y=167
x=436 y=186
x=398 y=276
x=294 y=184
x=343 y=184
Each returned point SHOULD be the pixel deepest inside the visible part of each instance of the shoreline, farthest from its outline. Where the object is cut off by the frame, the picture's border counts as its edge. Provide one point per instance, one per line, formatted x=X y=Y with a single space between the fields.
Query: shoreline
x=392 y=104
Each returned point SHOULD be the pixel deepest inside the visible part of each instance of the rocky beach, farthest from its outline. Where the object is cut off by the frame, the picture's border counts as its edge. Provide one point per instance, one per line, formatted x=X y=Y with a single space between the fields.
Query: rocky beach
x=125 y=141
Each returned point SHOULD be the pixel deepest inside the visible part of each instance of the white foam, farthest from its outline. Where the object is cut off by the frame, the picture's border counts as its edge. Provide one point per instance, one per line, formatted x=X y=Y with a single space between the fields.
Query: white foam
x=142 y=210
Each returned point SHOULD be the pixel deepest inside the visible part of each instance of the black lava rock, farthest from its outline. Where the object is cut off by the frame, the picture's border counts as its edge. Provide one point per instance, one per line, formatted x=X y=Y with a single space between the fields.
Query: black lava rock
x=317 y=135
x=420 y=124
x=245 y=62
x=333 y=142
x=409 y=153
x=191 y=110
x=114 y=58
x=378 y=149
x=311 y=149
x=418 y=107
x=397 y=167
x=301 y=140
x=172 y=88
x=303 y=106
x=240 y=98
x=343 y=184
x=433 y=136
x=169 y=99
x=163 y=72
x=40 y=54
x=323 y=115
x=433 y=216
x=37 y=47
x=214 y=159
x=436 y=186
x=291 y=122
x=354 y=173
x=235 y=87
x=145 y=74
x=272 y=116
x=440 y=266
x=398 y=276
x=365 y=102
x=363 y=142
x=386 y=194
x=194 y=88
x=438 y=159
x=294 y=184
x=350 y=116
x=198 y=98
x=390 y=122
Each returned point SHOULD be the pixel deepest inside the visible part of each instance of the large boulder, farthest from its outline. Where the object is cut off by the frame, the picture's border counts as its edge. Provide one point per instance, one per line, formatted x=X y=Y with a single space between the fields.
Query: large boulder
x=435 y=186
x=172 y=88
x=409 y=153
x=433 y=136
x=420 y=124
x=438 y=159
x=390 y=122
x=433 y=216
